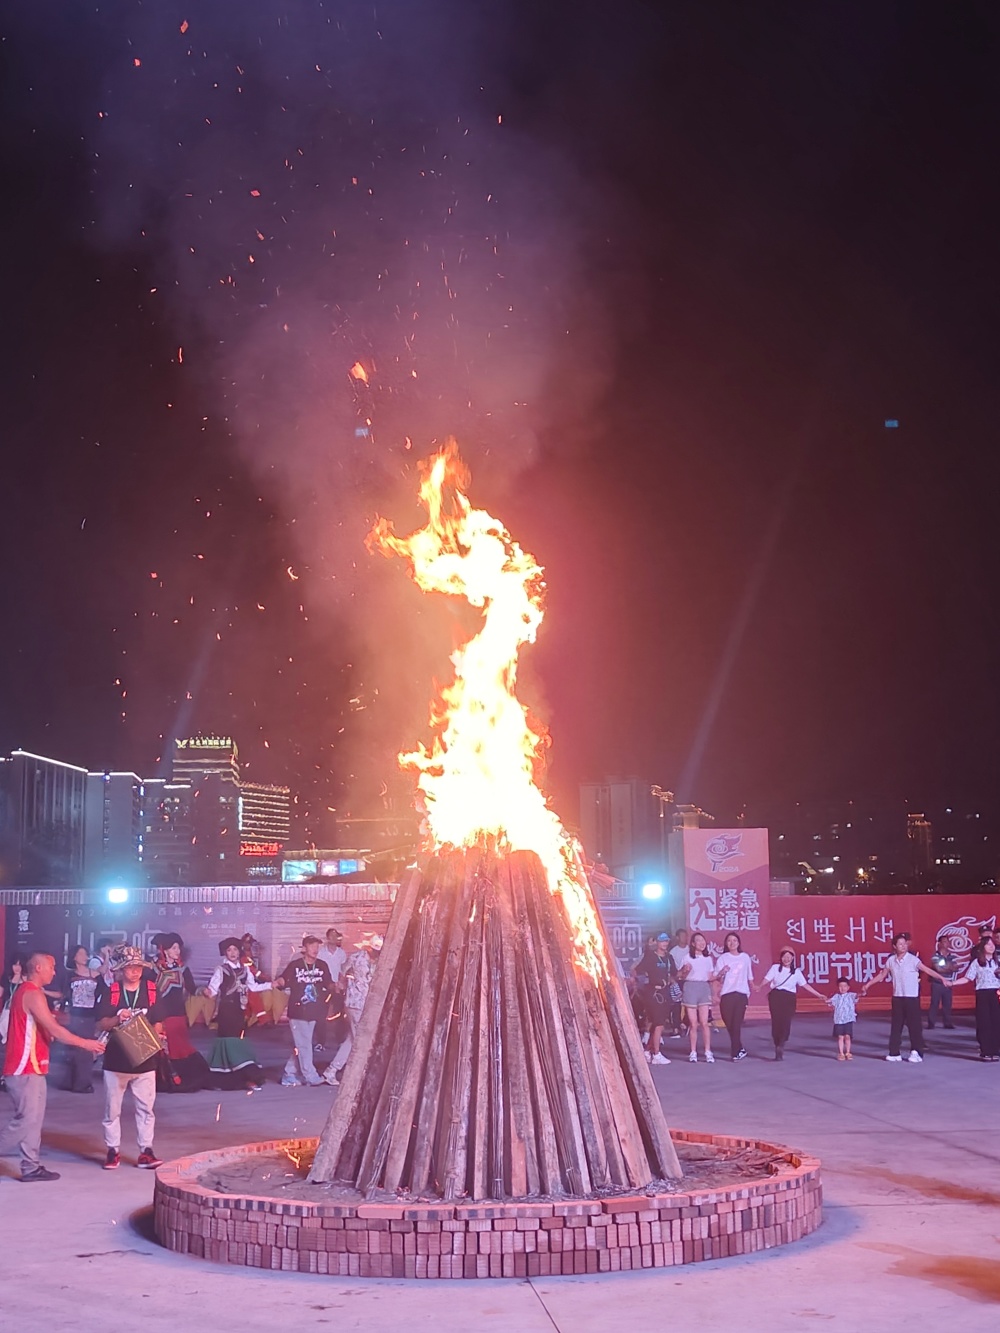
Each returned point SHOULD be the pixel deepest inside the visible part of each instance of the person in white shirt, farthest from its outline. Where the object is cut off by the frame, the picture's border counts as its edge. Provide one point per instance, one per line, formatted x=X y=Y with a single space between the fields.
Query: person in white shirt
x=904 y=968
x=782 y=980
x=358 y=973
x=696 y=976
x=984 y=971
x=335 y=956
x=678 y=952
x=735 y=971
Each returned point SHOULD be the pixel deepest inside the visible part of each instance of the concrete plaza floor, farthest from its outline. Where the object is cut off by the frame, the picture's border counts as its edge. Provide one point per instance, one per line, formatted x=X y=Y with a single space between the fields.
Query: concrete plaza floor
x=911 y=1233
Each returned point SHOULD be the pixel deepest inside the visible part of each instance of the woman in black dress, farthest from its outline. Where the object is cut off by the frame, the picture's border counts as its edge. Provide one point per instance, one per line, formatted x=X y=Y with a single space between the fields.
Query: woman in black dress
x=185 y=1069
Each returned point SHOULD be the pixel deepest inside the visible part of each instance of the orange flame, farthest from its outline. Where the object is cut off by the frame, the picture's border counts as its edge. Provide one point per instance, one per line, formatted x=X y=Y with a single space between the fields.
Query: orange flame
x=477 y=782
x=358 y=372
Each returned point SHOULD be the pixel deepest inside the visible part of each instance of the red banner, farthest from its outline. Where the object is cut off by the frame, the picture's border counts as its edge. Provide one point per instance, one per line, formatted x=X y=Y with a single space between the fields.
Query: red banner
x=852 y=937
x=727 y=886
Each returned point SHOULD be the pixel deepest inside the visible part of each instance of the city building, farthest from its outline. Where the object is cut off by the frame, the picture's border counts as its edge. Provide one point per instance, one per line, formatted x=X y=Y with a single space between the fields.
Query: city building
x=113 y=828
x=41 y=820
x=921 y=846
x=197 y=756
x=623 y=825
x=166 y=832
x=265 y=816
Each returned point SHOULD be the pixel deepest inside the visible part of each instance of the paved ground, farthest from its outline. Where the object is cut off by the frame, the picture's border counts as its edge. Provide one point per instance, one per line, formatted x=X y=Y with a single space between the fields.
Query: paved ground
x=911 y=1236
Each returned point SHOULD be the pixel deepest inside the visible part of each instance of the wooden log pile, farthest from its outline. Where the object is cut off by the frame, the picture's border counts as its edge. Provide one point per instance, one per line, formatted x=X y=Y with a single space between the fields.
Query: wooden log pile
x=489 y=1064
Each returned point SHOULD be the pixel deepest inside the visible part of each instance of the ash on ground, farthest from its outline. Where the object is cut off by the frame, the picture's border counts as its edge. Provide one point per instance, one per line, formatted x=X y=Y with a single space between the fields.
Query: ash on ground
x=282 y=1175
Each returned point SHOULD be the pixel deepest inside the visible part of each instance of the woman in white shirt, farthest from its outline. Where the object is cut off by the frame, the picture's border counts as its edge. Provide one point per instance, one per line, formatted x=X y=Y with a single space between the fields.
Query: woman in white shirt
x=984 y=970
x=735 y=971
x=782 y=980
x=696 y=994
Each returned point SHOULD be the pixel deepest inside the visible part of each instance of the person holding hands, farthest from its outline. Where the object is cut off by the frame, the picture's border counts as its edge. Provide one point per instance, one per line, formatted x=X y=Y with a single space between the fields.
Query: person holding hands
x=984 y=970
x=904 y=968
x=782 y=980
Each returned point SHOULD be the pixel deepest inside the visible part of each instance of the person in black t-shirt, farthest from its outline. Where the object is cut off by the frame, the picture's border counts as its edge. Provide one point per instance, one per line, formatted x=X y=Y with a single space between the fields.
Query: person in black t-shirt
x=80 y=988
x=132 y=991
x=654 y=973
x=309 y=985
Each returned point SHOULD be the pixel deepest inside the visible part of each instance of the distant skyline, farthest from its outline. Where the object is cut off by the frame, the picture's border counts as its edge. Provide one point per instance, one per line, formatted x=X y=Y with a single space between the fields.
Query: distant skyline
x=666 y=279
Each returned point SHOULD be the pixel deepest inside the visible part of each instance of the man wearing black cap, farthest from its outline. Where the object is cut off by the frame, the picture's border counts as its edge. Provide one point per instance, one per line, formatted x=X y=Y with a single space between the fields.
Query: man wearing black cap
x=307 y=980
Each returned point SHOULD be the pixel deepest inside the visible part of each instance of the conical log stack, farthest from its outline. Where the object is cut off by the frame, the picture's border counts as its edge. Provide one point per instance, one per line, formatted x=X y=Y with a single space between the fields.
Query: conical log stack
x=488 y=1063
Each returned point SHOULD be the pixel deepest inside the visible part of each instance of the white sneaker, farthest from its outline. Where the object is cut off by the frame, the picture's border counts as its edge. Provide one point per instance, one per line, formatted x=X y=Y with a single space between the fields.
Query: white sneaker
x=916 y=1058
x=709 y=1058
x=659 y=1059
x=693 y=1058
x=895 y=1059
x=649 y=1058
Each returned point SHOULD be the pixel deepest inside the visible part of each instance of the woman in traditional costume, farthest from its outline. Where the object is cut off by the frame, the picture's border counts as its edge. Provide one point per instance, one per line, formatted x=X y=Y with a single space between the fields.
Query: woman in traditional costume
x=185 y=1070
x=233 y=1062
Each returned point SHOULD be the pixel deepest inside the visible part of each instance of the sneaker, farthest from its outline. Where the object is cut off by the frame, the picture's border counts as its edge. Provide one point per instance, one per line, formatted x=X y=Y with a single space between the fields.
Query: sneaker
x=915 y=1058
x=148 y=1160
x=649 y=1057
x=291 y=1083
x=740 y=1055
x=693 y=1058
x=659 y=1060
x=895 y=1059
x=39 y=1173
x=113 y=1160
x=709 y=1058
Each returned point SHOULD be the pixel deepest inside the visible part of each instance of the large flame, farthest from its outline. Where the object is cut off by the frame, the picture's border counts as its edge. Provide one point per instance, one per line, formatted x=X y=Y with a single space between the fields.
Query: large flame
x=477 y=782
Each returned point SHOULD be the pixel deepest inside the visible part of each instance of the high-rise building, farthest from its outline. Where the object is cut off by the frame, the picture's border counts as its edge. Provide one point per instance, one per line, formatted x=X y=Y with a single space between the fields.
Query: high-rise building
x=918 y=833
x=41 y=820
x=265 y=817
x=166 y=831
x=197 y=756
x=621 y=826
x=113 y=827
x=215 y=830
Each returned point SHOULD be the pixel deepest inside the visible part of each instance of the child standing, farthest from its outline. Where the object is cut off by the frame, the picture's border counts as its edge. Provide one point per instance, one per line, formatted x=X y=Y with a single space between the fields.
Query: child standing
x=845 y=1011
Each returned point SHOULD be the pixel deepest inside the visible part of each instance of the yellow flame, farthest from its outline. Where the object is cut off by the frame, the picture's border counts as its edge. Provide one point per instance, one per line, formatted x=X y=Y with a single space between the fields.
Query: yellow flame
x=477 y=782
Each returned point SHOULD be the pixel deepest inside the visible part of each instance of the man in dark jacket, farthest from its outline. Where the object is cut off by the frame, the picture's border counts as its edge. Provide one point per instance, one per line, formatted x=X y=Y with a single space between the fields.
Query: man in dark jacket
x=130 y=992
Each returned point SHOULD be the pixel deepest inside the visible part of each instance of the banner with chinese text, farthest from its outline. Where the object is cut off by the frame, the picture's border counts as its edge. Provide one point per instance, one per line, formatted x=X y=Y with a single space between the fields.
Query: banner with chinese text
x=727 y=887
x=852 y=937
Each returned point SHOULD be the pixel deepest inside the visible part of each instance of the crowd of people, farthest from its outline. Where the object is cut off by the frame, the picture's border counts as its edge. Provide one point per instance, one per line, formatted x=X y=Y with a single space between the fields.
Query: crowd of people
x=133 y=1011
x=678 y=983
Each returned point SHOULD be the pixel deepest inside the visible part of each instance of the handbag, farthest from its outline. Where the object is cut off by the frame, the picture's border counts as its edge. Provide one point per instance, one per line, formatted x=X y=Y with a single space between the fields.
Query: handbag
x=138 y=1040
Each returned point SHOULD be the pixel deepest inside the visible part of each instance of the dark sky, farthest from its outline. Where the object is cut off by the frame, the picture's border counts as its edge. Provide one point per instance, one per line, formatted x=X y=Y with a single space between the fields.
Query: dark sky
x=665 y=270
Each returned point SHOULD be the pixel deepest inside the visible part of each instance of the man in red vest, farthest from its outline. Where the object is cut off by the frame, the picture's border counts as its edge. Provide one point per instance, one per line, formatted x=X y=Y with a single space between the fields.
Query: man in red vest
x=32 y=1028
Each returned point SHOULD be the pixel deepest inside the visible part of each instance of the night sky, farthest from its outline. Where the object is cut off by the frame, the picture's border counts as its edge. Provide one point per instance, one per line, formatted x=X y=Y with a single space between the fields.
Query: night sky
x=664 y=269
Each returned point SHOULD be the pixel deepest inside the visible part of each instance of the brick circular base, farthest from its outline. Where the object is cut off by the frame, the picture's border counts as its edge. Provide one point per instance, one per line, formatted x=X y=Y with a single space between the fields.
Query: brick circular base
x=485 y=1239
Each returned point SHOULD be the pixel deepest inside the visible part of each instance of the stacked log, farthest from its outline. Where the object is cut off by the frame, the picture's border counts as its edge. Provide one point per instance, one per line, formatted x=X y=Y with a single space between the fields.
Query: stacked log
x=489 y=1064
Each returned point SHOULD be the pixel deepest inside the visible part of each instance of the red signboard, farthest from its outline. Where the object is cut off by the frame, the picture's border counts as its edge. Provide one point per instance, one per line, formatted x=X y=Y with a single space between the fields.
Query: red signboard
x=852 y=937
x=260 y=849
x=727 y=886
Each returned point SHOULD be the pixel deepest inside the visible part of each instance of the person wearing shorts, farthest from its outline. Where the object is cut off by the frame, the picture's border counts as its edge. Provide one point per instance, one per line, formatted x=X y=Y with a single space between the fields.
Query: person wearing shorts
x=696 y=995
x=845 y=1011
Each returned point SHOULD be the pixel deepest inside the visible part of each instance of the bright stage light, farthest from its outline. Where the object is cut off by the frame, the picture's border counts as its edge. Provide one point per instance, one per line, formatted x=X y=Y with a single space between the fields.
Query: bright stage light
x=117 y=895
x=652 y=891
